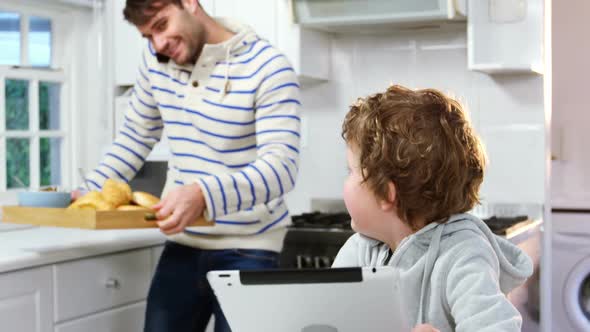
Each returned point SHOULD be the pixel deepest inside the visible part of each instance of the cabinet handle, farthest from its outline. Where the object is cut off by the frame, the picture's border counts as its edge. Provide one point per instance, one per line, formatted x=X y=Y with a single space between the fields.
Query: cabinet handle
x=112 y=283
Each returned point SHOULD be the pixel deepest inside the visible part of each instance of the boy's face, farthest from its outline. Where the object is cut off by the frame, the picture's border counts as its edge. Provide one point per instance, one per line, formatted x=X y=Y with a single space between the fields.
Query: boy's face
x=175 y=33
x=368 y=215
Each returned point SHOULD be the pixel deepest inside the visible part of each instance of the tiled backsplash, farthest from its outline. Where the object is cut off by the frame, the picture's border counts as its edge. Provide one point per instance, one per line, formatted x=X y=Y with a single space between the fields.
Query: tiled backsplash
x=507 y=111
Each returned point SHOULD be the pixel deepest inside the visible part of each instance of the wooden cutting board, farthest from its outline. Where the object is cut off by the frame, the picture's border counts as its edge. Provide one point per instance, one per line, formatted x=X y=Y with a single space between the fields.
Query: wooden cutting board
x=86 y=219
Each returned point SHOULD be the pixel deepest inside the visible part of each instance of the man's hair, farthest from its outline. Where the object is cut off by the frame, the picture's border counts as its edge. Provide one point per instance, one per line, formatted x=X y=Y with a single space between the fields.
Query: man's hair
x=140 y=12
x=423 y=142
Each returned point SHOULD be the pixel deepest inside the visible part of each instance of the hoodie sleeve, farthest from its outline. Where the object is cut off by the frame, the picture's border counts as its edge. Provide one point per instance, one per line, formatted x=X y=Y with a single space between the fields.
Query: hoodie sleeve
x=473 y=292
x=348 y=255
x=139 y=133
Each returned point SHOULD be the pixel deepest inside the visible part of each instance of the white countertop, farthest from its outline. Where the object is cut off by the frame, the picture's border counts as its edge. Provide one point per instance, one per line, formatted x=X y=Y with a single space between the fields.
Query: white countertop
x=35 y=246
x=27 y=246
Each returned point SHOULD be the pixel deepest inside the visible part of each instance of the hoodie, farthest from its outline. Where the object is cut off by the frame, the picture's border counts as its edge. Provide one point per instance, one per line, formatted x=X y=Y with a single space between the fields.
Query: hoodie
x=454 y=275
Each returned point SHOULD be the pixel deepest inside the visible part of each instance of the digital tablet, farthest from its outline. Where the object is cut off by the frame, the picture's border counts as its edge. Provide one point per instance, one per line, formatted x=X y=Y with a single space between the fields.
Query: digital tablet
x=313 y=300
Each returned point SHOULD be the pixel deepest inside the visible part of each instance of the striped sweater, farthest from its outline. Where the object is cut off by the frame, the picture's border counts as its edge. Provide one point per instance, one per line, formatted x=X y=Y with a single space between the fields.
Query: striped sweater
x=232 y=121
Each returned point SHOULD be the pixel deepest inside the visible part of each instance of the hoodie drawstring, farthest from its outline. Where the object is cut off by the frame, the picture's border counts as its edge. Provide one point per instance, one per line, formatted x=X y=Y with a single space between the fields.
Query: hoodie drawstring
x=226 y=84
x=431 y=257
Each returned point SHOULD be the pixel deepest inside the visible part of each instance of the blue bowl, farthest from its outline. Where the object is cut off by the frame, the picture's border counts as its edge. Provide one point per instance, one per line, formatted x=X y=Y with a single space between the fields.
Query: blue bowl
x=44 y=199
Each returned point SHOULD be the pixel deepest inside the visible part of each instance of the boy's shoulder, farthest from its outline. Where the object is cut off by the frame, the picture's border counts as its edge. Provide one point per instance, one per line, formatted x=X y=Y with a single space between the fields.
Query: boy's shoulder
x=357 y=251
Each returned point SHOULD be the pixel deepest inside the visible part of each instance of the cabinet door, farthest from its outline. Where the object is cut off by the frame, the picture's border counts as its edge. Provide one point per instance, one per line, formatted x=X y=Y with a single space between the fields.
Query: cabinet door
x=125 y=319
x=505 y=36
x=259 y=14
x=127 y=47
x=26 y=301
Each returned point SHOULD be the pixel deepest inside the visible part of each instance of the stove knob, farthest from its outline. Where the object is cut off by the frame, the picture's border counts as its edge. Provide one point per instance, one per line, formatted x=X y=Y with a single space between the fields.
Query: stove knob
x=316 y=262
x=308 y=262
x=299 y=259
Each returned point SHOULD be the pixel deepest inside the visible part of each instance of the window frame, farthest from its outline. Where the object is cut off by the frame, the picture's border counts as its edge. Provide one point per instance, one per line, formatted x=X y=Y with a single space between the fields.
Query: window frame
x=58 y=72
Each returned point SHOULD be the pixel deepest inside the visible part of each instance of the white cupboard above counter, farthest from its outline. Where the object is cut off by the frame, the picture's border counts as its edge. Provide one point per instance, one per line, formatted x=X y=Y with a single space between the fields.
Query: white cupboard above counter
x=308 y=50
x=384 y=15
x=505 y=36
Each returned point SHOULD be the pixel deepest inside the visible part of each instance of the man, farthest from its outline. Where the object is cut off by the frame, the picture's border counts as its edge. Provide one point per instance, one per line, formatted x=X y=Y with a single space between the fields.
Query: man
x=228 y=102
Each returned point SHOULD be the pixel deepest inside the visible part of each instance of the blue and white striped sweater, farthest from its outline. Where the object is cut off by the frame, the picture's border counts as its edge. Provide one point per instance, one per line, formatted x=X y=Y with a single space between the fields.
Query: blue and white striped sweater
x=240 y=143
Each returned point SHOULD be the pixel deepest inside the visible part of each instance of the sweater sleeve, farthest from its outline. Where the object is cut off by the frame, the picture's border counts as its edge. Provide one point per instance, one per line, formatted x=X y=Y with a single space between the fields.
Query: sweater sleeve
x=140 y=131
x=474 y=296
x=272 y=174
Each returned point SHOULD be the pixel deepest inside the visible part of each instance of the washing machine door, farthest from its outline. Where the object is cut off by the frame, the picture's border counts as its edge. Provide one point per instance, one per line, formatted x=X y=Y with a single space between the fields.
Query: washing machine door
x=577 y=295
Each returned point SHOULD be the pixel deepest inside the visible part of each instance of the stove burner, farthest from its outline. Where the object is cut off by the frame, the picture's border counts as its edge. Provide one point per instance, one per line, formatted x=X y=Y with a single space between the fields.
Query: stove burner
x=339 y=220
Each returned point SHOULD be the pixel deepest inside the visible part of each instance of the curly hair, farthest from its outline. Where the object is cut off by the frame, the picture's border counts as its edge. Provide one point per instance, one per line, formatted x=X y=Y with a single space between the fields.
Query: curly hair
x=421 y=141
x=140 y=12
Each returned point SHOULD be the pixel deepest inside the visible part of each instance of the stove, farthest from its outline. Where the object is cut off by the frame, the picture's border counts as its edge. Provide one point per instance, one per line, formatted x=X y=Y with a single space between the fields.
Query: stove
x=314 y=239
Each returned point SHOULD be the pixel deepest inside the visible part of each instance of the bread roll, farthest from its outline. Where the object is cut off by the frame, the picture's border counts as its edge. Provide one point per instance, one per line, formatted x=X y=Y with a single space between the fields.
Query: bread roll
x=93 y=200
x=116 y=193
x=145 y=199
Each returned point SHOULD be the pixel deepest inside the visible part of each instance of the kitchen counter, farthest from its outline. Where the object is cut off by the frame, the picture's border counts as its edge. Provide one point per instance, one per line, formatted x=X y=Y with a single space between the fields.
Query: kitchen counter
x=522 y=232
x=28 y=247
x=36 y=246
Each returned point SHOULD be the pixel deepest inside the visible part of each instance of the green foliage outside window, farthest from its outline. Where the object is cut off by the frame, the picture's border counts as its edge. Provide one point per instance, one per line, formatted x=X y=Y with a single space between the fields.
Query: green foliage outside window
x=17 y=118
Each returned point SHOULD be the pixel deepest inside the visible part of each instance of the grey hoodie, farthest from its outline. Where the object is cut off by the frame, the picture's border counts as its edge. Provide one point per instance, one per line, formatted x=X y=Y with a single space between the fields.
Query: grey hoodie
x=453 y=276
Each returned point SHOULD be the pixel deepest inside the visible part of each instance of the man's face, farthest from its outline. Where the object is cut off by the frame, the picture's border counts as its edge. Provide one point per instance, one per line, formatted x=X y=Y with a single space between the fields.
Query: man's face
x=175 y=33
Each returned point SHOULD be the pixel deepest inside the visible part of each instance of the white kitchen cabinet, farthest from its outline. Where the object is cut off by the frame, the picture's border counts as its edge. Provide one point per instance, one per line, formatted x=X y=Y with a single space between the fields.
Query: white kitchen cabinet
x=95 y=284
x=505 y=36
x=259 y=14
x=26 y=301
x=127 y=46
x=125 y=319
x=570 y=175
x=308 y=50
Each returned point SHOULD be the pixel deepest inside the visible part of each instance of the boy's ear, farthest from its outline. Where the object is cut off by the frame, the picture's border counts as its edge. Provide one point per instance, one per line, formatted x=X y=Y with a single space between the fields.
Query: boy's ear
x=389 y=203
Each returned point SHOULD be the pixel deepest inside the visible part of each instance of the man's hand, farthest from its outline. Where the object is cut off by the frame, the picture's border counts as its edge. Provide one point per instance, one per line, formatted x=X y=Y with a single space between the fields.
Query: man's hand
x=424 y=328
x=180 y=207
x=75 y=194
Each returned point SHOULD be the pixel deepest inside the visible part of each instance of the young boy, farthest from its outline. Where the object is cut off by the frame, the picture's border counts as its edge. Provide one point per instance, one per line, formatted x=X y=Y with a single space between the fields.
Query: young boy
x=415 y=167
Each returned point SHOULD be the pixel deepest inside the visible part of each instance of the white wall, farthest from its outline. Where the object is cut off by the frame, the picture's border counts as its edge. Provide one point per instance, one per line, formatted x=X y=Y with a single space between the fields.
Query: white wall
x=93 y=109
x=507 y=111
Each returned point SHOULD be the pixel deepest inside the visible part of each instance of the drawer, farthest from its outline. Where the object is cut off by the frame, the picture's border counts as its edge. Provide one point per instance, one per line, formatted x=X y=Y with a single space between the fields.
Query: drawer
x=95 y=284
x=125 y=319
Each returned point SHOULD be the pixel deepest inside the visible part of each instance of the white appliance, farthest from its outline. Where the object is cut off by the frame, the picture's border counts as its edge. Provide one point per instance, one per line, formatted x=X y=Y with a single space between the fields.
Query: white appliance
x=343 y=15
x=571 y=271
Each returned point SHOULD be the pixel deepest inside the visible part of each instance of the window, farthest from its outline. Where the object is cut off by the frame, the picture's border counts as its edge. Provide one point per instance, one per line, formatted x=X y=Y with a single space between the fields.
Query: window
x=33 y=131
